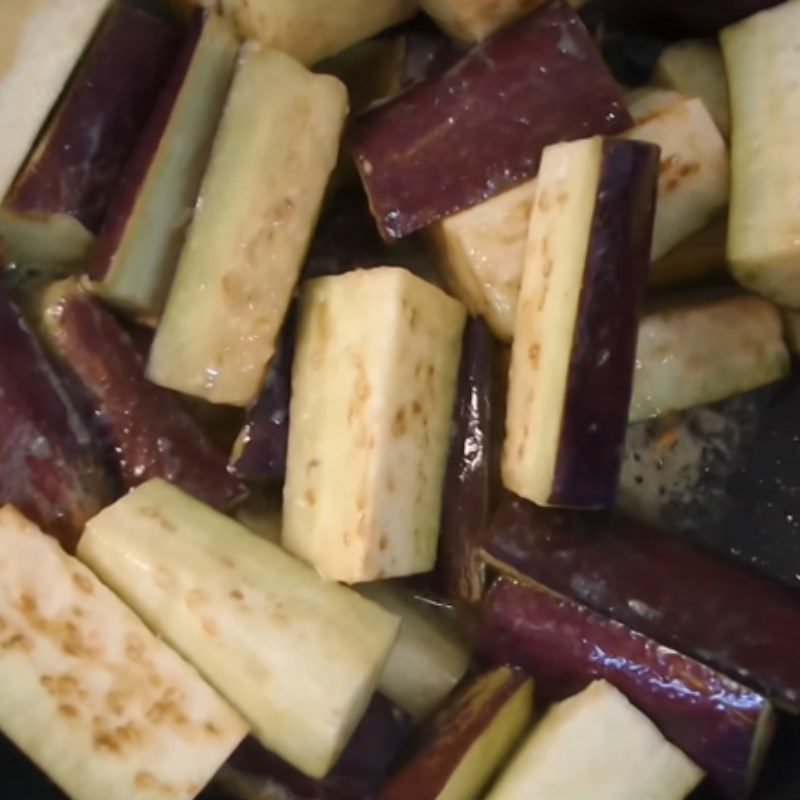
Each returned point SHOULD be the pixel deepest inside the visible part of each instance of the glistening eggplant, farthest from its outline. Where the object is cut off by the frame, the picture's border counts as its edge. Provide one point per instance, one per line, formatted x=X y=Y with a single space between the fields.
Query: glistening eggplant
x=577 y=319
x=480 y=126
x=721 y=725
x=701 y=604
x=49 y=467
x=148 y=432
x=58 y=202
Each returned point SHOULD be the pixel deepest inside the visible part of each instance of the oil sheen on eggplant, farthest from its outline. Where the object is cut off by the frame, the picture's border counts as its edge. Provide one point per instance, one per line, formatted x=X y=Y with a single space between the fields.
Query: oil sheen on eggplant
x=480 y=126
x=701 y=604
x=260 y=450
x=49 y=467
x=466 y=498
x=721 y=725
x=147 y=430
x=604 y=345
x=77 y=164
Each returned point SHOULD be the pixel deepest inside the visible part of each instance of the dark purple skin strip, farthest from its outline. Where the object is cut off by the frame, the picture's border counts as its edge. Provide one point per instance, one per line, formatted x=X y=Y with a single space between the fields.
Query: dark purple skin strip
x=357 y=774
x=76 y=167
x=466 y=498
x=265 y=437
x=148 y=432
x=49 y=468
x=124 y=198
x=565 y=646
x=466 y=134
x=600 y=378
x=713 y=609
x=682 y=18
x=449 y=736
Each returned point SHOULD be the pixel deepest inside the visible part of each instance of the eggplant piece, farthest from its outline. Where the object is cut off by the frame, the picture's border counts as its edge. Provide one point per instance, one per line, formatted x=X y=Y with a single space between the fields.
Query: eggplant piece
x=147 y=431
x=695 y=68
x=480 y=127
x=100 y=703
x=253 y=772
x=762 y=56
x=466 y=503
x=572 y=358
x=429 y=657
x=699 y=259
x=312 y=31
x=373 y=388
x=482 y=252
x=140 y=242
x=427 y=51
x=468 y=740
x=596 y=744
x=57 y=204
x=722 y=726
x=475 y=20
x=694 y=174
x=681 y=18
x=50 y=468
x=41 y=44
x=705 y=350
x=205 y=584
x=707 y=606
x=258 y=204
x=259 y=453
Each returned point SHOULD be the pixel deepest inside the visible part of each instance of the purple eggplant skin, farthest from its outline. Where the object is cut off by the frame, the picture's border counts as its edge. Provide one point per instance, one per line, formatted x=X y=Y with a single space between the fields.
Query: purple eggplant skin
x=78 y=163
x=713 y=609
x=261 y=448
x=600 y=376
x=360 y=770
x=135 y=173
x=466 y=134
x=717 y=722
x=466 y=500
x=681 y=18
x=148 y=432
x=49 y=466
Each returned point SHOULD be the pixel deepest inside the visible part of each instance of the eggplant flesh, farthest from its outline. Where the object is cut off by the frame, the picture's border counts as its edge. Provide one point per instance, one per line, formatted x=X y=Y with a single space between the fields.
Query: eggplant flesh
x=722 y=726
x=572 y=358
x=478 y=128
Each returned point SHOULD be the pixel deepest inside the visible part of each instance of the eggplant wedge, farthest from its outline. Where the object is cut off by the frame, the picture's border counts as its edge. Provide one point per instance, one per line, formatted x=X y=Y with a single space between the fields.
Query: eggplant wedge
x=49 y=465
x=475 y=20
x=596 y=744
x=275 y=148
x=694 y=173
x=482 y=253
x=695 y=68
x=373 y=389
x=429 y=658
x=704 y=605
x=467 y=499
x=478 y=128
x=762 y=56
x=147 y=431
x=315 y=29
x=700 y=352
x=573 y=354
x=722 y=726
x=100 y=703
x=57 y=204
x=139 y=245
x=467 y=742
x=205 y=584
x=41 y=43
